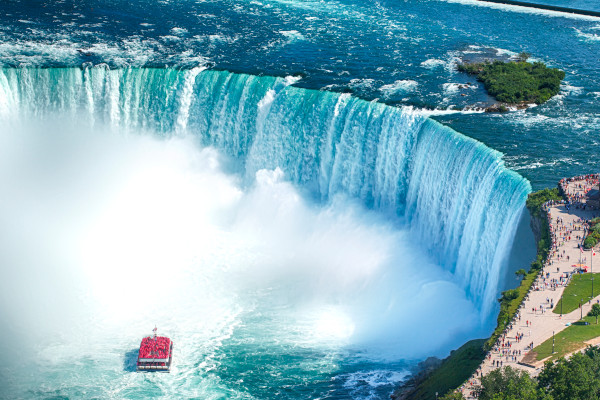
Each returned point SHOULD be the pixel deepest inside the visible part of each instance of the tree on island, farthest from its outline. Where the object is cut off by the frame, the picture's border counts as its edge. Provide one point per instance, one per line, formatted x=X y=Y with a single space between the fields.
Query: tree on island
x=595 y=312
x=523 y=56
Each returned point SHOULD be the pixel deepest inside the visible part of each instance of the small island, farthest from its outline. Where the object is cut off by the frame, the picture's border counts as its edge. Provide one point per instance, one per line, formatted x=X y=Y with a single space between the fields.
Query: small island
x=516 y=82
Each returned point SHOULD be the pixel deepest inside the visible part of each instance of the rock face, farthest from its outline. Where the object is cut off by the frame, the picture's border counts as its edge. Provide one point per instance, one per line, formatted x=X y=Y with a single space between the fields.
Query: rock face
x=421 y=372
x=496 y=107
x=536 y=227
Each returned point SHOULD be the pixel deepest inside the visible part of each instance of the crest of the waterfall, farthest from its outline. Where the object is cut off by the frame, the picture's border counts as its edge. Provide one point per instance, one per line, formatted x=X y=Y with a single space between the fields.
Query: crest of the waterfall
x=8 y=103
x=185 y=99
x=454 y=192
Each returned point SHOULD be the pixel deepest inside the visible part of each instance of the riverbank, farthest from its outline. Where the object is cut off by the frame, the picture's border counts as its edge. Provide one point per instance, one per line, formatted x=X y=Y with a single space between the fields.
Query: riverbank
x=534 y=323
x=443 y=375
x=545 y=7
x=525 y=319
x=462 y=363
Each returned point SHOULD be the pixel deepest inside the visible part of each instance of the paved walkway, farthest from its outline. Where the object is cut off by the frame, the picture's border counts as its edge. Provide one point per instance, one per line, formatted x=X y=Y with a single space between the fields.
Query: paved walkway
x=535 y=322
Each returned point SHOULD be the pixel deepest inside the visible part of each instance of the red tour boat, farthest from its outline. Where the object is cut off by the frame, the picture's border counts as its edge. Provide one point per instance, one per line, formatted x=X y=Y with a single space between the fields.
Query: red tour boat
x=156 y=353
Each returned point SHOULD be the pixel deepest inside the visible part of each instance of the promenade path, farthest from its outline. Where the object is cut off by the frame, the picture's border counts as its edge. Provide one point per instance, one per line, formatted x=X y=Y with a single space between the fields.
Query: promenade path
x=535 y=321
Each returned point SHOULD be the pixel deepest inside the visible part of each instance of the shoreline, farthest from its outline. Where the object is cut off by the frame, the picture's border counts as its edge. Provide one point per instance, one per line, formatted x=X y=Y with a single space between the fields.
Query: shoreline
x=503 y=346
x=534 y=322
x=545 y=7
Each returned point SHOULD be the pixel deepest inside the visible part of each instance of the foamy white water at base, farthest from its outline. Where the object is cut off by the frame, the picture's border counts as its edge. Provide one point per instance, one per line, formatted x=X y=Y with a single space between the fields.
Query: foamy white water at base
x=106 y=235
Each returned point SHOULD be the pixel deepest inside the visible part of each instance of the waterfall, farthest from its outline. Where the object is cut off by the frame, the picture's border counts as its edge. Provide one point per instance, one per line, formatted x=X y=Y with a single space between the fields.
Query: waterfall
x=454 y=192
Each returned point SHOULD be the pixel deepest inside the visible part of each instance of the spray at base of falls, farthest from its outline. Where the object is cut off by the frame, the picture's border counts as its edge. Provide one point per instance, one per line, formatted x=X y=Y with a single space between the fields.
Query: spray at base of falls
x=454 y=192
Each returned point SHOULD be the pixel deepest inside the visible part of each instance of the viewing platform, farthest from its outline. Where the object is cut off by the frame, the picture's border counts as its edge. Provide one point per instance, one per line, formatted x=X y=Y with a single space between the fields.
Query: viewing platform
x=535 y=321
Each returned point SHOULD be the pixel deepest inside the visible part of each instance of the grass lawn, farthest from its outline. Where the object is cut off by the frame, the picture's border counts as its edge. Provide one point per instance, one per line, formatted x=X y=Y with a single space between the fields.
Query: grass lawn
x=569 y=340
x=579 y=288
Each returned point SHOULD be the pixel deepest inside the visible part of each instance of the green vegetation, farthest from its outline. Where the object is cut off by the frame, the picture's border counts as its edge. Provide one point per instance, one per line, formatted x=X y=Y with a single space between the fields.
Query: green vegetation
x=593 y=236
x=517 y=81
x=462 y=363
x=580 y=288
x=453 y=371
x=453 y=396
x=511 y=299
x=508 y=383
x=595 y=312
x=534 y=205
x=575 y=378
x=568 y=340
x=509 y=304
x=535 y=201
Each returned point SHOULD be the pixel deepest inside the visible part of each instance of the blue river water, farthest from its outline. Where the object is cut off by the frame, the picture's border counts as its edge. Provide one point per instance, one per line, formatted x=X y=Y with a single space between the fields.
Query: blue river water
x=282 y=185
x=400 y=52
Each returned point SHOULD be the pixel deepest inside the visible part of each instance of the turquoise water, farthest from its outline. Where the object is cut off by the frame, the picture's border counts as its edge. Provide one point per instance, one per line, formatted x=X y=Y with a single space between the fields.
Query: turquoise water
x=398 y=52
x=284 y=161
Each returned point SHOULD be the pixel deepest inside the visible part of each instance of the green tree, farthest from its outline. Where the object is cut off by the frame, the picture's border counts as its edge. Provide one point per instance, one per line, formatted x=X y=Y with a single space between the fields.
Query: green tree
x=509 y=384
x=595 y=312
x=453 y=396
x=521 y=273
x=590 y=242
x=575 y=378
x=509 y=295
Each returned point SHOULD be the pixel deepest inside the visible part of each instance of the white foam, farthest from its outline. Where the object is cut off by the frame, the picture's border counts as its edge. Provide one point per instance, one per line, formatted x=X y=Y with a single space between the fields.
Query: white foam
x=179 y=31
x=362 y=83
x=453 y=88
x=433 y=63
x=375 y=378
x=449 y=111
x=290 y=80
x=592 y=37
x=505 y=52
x=524 y=10
x=293 y=35
x=400 y=86
x=538 y=164
x=170 y=38
x=567 y=89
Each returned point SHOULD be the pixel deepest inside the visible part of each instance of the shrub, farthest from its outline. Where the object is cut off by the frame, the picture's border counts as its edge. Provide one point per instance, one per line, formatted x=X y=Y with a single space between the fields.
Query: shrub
x=590 y=242
x=510 y=294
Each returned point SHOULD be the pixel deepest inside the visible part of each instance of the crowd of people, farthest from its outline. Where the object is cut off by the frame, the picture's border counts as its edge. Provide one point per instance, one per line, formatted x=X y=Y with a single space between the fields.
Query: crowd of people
x=155 y=348
x=574 y=190
x=584 y=184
